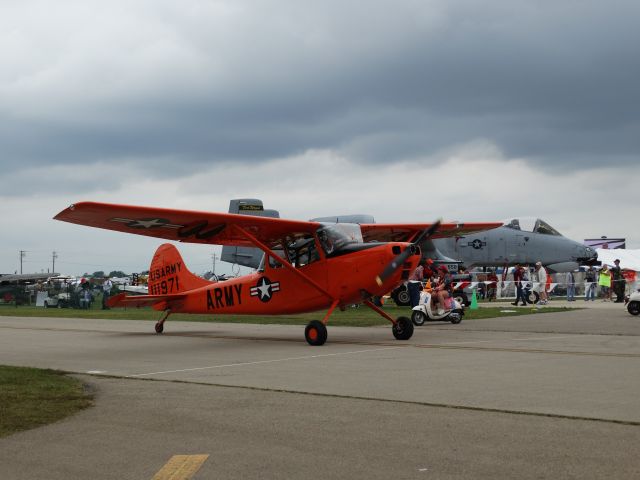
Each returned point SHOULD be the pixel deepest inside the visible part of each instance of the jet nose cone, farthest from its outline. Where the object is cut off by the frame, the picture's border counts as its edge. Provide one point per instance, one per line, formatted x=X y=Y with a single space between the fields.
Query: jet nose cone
x=587 y=255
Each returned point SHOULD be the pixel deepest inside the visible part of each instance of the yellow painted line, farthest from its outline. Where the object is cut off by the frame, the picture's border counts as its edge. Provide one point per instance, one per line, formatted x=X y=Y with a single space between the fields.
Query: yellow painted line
x=181 y=467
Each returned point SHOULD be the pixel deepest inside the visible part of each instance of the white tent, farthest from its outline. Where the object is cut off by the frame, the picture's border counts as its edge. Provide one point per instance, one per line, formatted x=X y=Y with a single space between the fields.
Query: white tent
x=629 y=259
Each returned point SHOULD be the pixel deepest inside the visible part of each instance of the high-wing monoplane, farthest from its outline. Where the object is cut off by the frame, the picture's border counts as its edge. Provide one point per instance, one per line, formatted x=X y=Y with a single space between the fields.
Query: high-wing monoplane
x=308 y=266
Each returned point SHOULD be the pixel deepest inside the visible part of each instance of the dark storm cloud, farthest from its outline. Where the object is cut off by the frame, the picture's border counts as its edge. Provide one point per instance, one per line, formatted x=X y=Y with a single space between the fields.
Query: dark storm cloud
x=557 y=82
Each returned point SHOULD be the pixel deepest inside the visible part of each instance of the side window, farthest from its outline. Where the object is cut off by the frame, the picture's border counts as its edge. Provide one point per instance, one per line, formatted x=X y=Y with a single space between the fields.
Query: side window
x=302 y=251
x=272 y=262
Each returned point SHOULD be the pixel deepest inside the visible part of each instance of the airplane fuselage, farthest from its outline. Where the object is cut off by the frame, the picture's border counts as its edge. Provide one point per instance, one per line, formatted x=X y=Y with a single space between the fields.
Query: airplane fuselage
x=503 y=245
x=276 y=290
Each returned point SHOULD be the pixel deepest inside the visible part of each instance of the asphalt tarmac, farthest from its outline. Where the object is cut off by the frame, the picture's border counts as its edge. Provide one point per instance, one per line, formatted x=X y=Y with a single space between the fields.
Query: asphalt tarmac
x=553 y=395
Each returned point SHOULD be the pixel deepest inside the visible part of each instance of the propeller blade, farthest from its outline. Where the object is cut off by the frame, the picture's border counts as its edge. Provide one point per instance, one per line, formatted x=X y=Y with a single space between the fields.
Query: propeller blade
x=397 y=262
x=394 y=265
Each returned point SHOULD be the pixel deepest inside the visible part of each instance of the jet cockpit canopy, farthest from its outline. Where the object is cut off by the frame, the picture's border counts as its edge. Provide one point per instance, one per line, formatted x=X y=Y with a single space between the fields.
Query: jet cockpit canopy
x=531 y=224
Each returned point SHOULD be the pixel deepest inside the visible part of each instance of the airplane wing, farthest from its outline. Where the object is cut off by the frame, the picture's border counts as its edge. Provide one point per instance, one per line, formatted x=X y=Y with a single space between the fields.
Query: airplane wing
x=406 y=232
x=185 y=225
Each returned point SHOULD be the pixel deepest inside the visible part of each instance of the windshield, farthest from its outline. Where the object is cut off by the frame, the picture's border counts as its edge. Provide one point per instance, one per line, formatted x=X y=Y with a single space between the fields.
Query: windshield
x=531 y=224
x=544 y=228
x=333 y=239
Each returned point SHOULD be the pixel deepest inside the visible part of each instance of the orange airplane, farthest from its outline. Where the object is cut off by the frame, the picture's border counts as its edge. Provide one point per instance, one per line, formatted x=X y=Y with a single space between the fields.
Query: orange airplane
x=308 y=266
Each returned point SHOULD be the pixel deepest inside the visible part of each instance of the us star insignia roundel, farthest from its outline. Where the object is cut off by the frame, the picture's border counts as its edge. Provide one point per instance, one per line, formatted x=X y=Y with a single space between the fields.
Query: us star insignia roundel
x=477 y=244
x=264 y=289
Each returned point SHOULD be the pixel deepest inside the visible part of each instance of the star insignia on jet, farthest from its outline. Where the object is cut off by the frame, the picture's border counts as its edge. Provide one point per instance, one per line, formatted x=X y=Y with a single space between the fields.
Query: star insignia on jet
x=477 y=244
x=264 y=289
x=146 y=223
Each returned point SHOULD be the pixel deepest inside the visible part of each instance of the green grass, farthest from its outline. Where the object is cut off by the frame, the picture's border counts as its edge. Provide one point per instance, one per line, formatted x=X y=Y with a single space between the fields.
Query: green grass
x=356 y=317
x=31 y=397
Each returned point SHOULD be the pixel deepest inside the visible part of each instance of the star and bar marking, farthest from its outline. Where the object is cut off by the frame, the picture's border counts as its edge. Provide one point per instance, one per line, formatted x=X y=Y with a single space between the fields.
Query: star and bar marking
x=264 y=289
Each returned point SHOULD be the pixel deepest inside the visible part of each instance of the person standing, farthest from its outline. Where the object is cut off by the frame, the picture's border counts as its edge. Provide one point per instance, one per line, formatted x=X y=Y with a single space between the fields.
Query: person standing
x=517 y=279
x=414 y=285
x=590 y=285
x=492 y=286
x=106 y=292
x=571 y=287
x=604 y=280
x=542 y=281
x=617 y=281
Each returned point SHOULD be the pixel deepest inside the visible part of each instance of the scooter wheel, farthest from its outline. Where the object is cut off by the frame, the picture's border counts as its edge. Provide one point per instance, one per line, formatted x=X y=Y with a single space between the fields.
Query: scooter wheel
x=418 y=318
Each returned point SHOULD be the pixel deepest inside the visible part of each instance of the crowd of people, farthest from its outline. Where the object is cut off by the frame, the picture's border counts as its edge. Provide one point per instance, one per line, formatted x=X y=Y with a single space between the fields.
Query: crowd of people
x=438 y=280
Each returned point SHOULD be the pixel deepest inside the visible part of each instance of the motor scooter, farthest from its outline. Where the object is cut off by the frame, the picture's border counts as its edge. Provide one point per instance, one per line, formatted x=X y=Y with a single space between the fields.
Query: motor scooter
x=633 y=303
x=423 y=312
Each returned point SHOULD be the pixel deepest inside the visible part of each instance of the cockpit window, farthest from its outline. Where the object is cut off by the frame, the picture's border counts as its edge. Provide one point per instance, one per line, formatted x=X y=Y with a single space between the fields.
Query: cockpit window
x=531 y=224
x=545 y=229
x=302 y=251
x=332 y=239
x=515 y=224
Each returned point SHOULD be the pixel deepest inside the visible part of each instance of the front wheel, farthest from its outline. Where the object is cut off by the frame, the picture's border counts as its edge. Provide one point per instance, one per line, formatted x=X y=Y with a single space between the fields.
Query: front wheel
x=461 y=298
x=402 y=329
x=401 y=297
x=418 y=318
x=315 y=333
x=634 y=308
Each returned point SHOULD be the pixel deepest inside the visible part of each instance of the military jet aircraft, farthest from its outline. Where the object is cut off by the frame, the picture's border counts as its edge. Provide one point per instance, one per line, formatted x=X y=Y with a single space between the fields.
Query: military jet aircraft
x=524 y=240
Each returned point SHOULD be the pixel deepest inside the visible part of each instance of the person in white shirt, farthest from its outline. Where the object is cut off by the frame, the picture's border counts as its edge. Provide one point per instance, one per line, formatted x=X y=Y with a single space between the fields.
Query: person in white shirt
x=542 y=280
x=106 y=292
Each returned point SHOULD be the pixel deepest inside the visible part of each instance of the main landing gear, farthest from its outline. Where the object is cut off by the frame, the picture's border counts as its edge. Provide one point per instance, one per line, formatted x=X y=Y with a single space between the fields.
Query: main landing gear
x=316 y=331
x=402 y=329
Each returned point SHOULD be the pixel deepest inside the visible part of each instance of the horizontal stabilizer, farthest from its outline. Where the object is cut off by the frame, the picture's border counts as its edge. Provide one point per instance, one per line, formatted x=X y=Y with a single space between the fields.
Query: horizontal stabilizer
x=137 y=301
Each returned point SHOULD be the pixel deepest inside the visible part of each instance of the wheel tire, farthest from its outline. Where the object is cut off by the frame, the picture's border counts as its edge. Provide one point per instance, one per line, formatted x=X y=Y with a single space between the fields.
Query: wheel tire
x=315 y=333
x=461 y=298
x=159 y=327
x=533 y=297
x=455 y=319
x=634 y=308
x=418 y=318
x=403 y=329
x=402 y=297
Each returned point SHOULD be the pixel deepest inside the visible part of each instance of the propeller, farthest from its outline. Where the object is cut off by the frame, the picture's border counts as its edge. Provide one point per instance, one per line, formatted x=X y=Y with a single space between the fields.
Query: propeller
x=397 y=262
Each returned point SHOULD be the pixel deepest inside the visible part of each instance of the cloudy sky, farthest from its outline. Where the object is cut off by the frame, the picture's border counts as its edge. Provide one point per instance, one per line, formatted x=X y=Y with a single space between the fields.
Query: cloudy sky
x=408 y=110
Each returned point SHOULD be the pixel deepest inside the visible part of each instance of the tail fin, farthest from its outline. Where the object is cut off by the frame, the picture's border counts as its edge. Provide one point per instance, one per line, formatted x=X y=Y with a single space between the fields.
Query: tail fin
x=169 y=275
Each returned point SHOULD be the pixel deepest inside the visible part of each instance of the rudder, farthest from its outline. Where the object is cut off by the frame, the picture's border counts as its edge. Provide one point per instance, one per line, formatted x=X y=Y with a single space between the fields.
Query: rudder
x=168 y=273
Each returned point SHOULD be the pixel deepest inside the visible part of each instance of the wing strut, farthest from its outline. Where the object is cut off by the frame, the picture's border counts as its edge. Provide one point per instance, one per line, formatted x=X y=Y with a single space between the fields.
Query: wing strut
x=281 y=261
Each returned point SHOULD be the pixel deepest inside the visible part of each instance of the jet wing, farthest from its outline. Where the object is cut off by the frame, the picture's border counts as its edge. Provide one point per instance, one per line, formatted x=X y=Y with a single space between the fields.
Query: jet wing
x=406 y=232
x=185 y=225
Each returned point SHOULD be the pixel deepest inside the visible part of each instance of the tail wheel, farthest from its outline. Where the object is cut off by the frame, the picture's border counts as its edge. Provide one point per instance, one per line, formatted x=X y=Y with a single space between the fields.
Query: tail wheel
x=633 y=308
x=418 y=318
x=315 y=333
x=403 y=329
x=159 y=327
x=533 y=297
